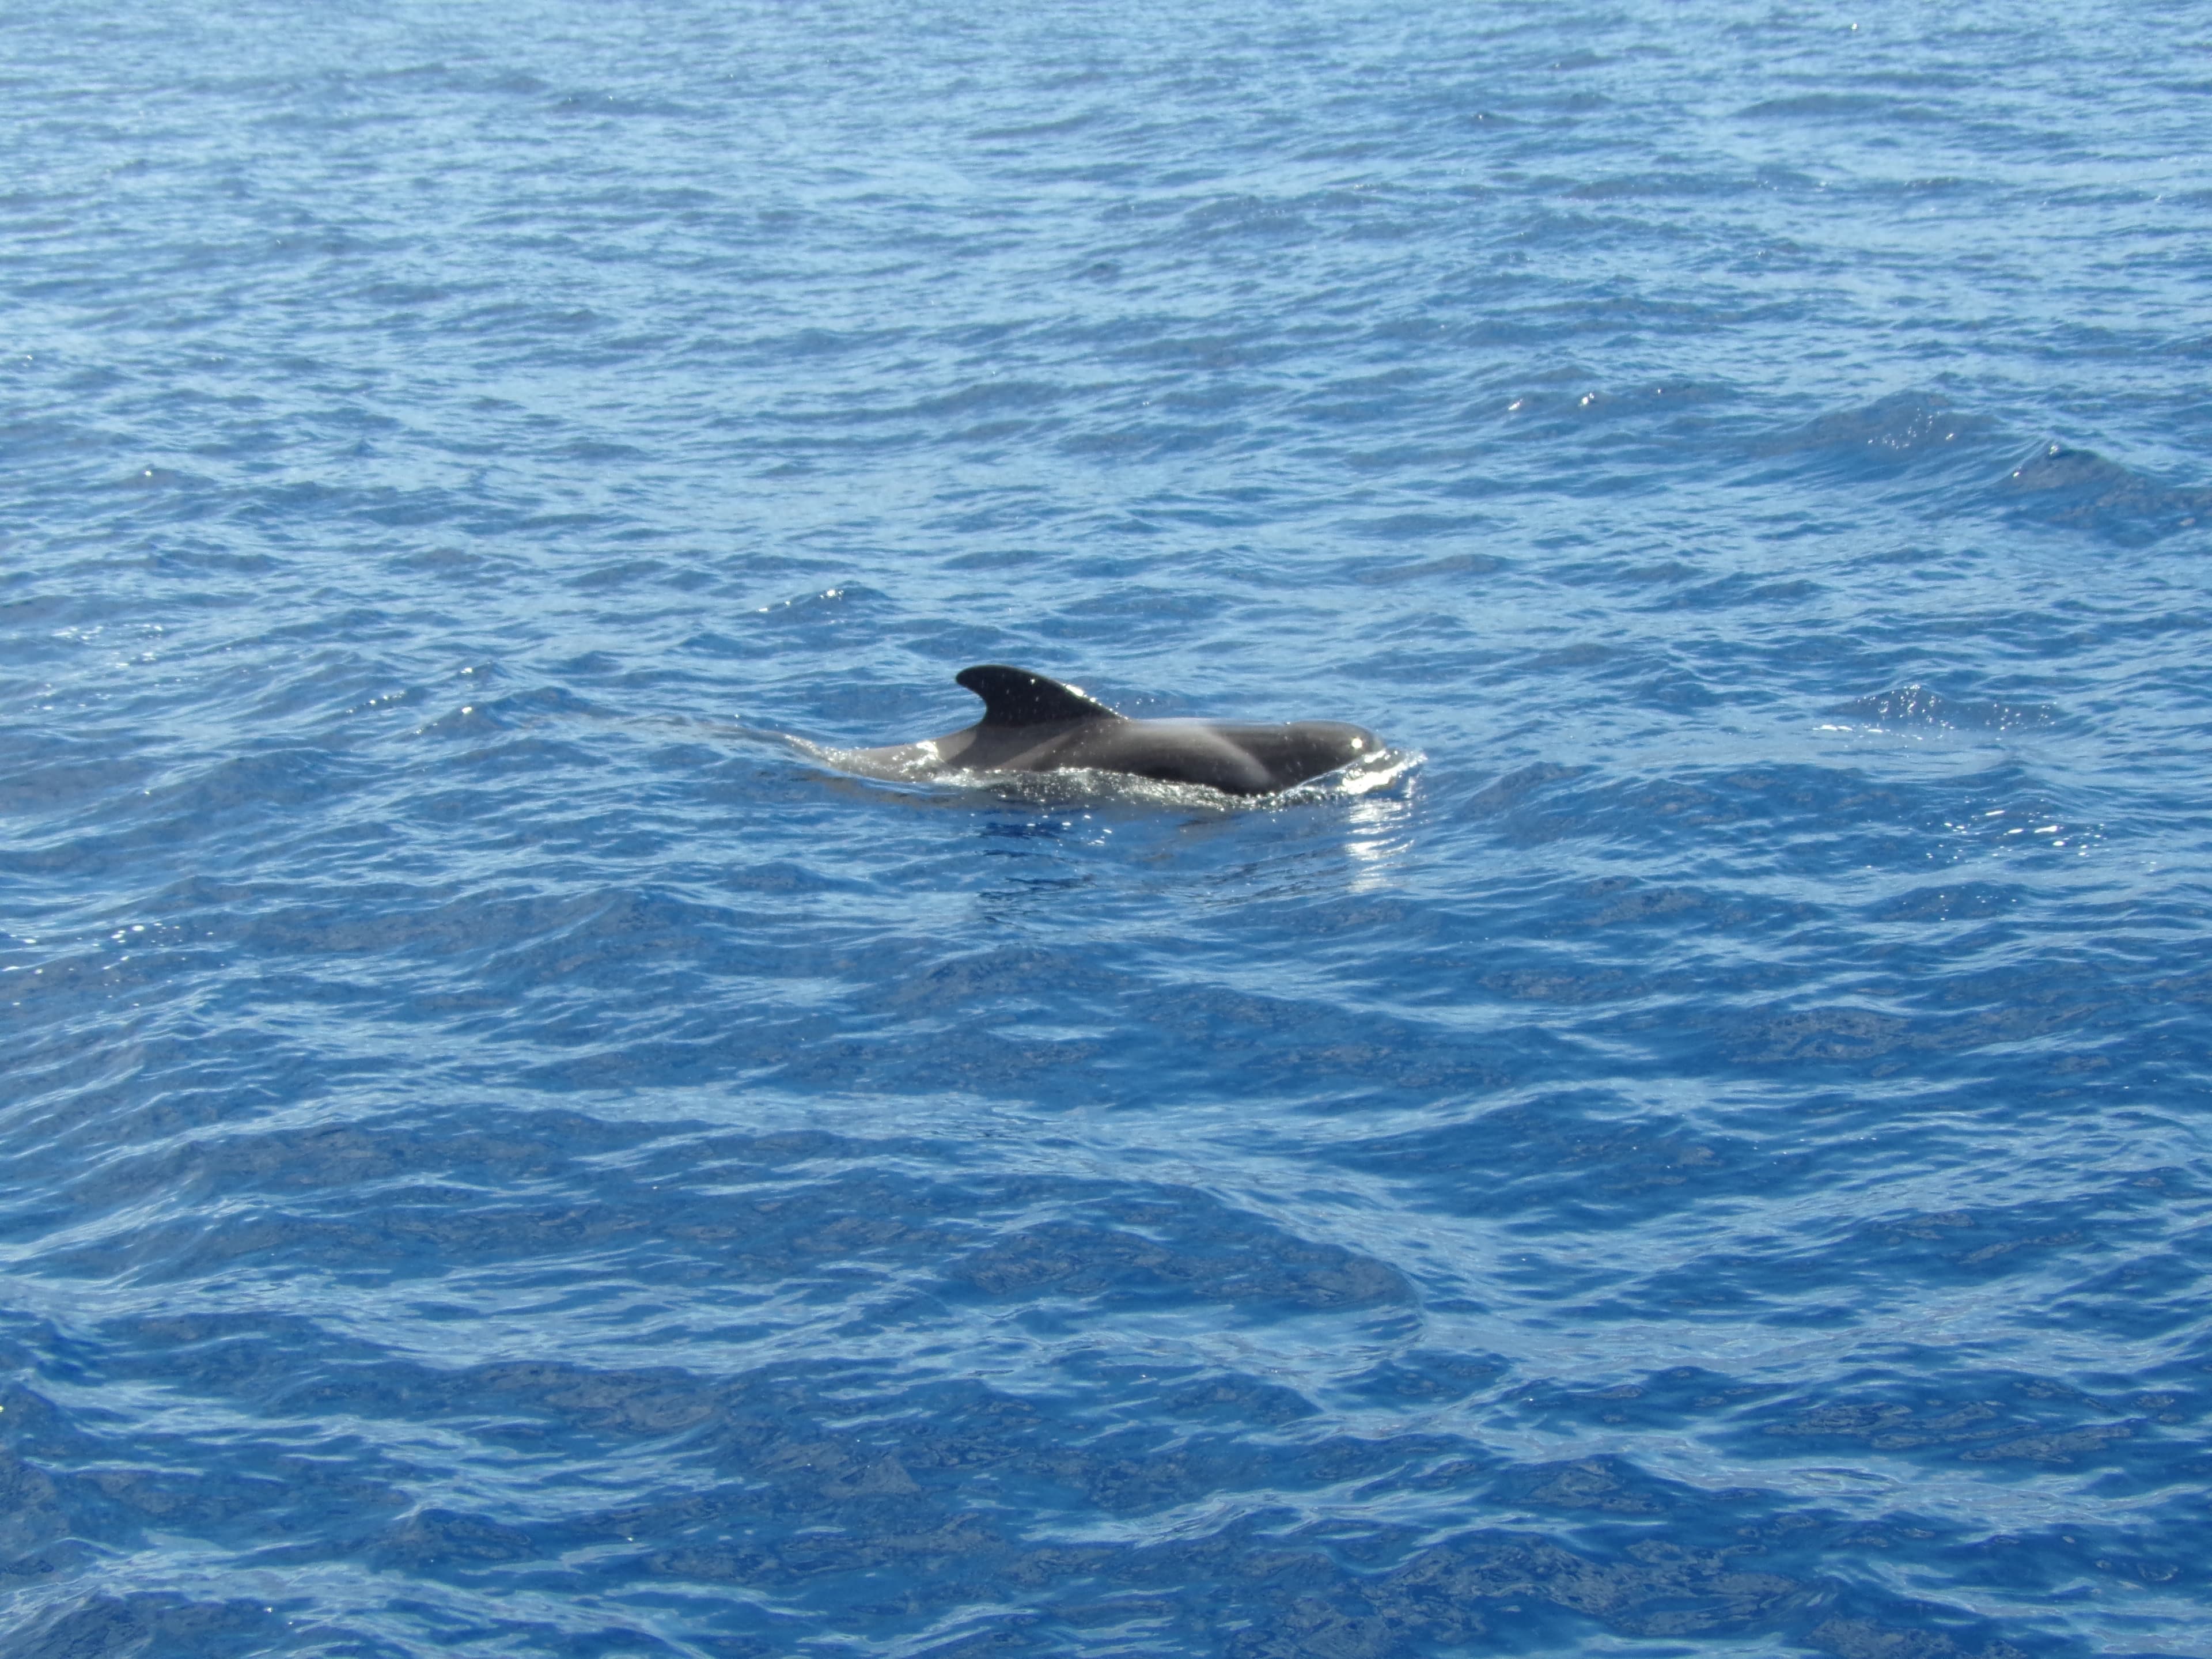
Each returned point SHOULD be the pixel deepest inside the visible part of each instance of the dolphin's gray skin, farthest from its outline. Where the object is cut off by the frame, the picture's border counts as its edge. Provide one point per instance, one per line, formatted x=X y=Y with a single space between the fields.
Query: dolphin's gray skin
x=1031 y=724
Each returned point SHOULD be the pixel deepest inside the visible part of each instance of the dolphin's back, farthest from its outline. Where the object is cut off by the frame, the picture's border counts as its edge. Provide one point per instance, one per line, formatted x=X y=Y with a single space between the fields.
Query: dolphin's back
x=1033 y=724
x=1237 y=758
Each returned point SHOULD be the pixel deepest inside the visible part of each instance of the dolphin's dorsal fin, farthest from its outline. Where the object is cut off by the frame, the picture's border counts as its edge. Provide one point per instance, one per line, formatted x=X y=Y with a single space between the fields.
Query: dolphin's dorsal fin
x=1014 y=696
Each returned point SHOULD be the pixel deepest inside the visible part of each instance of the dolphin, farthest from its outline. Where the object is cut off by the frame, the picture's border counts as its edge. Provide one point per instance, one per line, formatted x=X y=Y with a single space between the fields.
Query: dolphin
x=1032 y=724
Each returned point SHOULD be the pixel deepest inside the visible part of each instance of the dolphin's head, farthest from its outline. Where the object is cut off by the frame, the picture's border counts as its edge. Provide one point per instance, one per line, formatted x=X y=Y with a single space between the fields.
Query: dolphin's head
x=1307 y=749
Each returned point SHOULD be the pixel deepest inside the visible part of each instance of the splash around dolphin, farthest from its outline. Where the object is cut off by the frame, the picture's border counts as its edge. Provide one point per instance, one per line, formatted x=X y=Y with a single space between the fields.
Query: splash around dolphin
x=1032 y=724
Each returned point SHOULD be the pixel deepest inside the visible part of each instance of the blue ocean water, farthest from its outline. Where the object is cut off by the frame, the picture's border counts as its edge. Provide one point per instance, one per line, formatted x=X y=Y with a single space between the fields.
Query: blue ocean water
x=505 y=1155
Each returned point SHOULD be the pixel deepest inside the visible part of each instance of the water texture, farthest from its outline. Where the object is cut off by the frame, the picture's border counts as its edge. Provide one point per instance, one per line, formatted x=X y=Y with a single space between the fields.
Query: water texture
x=506 y=1155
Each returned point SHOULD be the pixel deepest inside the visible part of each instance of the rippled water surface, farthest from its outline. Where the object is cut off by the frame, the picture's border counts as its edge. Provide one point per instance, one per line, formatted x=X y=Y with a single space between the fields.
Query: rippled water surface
x=506 y=1154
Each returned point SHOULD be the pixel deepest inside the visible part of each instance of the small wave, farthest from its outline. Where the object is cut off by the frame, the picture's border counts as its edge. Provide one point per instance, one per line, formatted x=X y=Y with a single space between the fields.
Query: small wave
x=830 y=603
x=1916 y=705
x=1074 y=786
x=1234 y=216
x=1839 y=106
x=2062 y=485
x=1031 y=131
x=1886 y=436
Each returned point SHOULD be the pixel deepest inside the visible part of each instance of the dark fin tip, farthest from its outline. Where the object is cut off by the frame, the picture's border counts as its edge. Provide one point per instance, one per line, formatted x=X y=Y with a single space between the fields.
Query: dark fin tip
x=1014 y=696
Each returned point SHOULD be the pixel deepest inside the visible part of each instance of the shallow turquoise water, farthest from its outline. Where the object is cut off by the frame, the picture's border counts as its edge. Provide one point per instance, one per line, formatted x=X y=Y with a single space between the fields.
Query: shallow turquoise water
x=505 y=1155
